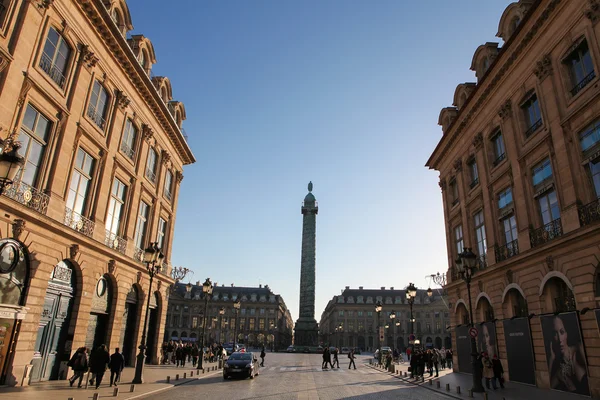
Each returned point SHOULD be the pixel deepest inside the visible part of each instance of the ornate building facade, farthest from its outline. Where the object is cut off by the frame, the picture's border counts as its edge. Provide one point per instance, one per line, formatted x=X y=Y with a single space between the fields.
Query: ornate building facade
x=263 y=318
x=350 y=320
x=105 y=150
x=518 y=164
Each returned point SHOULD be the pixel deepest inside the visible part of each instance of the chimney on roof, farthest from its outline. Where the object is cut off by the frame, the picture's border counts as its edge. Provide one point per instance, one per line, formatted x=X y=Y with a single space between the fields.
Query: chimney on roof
x=197 y=283
x=232 y=285
x=360 y=288
x=347 y=287
x=383 y=288
x=222 y=285
x=391 y=288
x=260 y=285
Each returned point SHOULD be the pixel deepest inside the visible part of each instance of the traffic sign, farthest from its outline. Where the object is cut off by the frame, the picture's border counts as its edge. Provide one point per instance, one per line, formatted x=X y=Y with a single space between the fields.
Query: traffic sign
x=411 y=337
x=473 y=332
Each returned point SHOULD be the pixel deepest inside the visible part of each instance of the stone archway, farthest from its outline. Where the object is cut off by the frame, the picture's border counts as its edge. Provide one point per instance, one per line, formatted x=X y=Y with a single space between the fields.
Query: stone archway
x=361 y=343
x=98 y=324
x=438 y=342
x=400 y=343
x=153 y=324
x=131 y=326
x=448 y=342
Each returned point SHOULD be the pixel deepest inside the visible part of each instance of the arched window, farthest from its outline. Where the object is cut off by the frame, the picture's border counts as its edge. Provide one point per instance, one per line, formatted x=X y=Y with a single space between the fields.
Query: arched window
x=164 y=94
x=559 y=297
x=516 y=304
x=142 y=59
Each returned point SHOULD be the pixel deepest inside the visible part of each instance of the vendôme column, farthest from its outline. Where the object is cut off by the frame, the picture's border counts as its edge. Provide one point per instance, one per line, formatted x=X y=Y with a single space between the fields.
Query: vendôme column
x=307 y=330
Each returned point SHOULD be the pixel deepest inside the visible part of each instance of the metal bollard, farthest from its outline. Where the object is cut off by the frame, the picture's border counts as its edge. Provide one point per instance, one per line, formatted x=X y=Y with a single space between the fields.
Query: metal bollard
x=116 y=392
x=458 y=390
x=177 y=377
x=131 y=388
x=405 y=374
x=423 y=378
x=485 y=396
x=470 y=393
x=431 y=382
x=437 y=384
x=447 y=387
x=70 y=398
x=168 y=379
x=185 y=375
x=95 y=396
x=191 y=373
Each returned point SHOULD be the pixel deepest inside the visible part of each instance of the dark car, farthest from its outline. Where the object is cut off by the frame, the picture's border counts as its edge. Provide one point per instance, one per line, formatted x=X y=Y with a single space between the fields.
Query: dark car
x=241 y=364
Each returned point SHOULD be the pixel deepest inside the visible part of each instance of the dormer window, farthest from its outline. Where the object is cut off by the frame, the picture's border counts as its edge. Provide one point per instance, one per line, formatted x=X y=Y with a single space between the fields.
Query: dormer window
x=360 y=299
x=142 y=59
x=514 y=23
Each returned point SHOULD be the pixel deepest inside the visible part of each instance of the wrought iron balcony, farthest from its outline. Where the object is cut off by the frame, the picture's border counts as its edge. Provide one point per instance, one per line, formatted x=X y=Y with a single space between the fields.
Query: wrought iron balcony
x=79 y=222
x=507 y=251
x=474 y=183
x=499 y=159
x=28 y=196
x=52 y=70
x=589 y=213
x=583 y=83
x=96 y=116
x=546 y=233
x=115 y=242
x=150 y=175
x=534 y=127
x=138 y=254
x=129 y=152
x=168 y=194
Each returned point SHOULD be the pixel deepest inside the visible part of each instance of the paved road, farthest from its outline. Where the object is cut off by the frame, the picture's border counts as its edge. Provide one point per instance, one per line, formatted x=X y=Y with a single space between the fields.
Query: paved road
x=299 y=376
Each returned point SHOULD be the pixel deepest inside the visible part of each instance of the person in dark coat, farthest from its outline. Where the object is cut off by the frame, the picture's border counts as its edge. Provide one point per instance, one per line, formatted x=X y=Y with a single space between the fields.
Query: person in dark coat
x=498 y=371
x=413 y=364
x=335 y=358
x=195 y=352
x=179 y=356
x=351 y=357
x=98 y=362
x=262 y=357
x=326 y=358
x=79 y=363
x=117 y=363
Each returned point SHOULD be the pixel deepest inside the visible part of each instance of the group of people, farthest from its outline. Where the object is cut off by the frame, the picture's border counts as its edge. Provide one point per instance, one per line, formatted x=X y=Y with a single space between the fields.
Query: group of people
x=97 y=363
x=334 y=352
x=430 y=360
x=178 y=353
x=492 y=370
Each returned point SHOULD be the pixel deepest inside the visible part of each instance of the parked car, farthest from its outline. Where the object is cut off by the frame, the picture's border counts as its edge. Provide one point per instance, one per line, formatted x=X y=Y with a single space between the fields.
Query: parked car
x=357 y=350
x=344 y=350
x=291 y=349
x=244 y=365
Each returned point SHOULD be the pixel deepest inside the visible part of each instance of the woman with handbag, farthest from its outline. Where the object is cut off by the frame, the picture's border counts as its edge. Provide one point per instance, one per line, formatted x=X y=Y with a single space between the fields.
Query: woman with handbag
x=498 y=371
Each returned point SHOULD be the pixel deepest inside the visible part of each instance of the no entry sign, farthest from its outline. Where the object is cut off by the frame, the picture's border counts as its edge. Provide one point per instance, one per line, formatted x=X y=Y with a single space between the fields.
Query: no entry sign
x=473 y=332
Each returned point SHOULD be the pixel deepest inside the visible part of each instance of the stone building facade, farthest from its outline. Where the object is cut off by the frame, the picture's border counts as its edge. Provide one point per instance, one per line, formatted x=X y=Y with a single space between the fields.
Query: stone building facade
x=105 y=150
x=263 y=318
x=518 y=163
x=350 y=320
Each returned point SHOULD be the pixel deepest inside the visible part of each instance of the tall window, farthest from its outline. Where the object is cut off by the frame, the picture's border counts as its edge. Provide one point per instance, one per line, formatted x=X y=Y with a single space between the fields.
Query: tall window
x=590 y=137
x=509 y=225
x=594 y=168
x=261 y=324
x=474 y=173
x=115 y=206
x=505 y=199
x=151 y=165
x=542 y=172
x=128 y=140
x=533 y=115
x=55 y=57
x=580 y=66
x=548 y=203
x=160 y=234
x=251 y=324
x=141 y=224
x=458 y=237
x=80 y=182
x=454 y=191
x=168 y=184
x=499 y=150
x=480 y=234
x=98 y=105
x=33 y=138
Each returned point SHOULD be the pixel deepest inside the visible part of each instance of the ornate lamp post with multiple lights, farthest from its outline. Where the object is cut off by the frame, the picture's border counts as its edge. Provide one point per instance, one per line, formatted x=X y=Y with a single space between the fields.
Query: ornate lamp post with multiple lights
x=153 y=258
x=236 y=307
x=10 y=162
x=378 y=308
x=411 y=294
x=207 y=289
x=467 y=265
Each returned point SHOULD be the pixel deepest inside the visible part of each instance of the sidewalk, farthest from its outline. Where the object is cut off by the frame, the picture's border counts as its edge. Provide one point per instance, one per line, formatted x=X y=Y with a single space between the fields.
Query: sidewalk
x=155 y=378
x=512 y=390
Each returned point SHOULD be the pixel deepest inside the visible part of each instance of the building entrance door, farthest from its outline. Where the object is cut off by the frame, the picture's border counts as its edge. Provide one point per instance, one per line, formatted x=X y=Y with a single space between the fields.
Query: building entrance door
x=52 y=330
x=129 y=332
x=99 y=315
x=152 y=329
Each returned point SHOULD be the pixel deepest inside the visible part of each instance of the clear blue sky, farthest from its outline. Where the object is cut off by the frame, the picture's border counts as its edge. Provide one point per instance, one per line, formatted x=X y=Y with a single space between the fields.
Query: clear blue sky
x=344 y=93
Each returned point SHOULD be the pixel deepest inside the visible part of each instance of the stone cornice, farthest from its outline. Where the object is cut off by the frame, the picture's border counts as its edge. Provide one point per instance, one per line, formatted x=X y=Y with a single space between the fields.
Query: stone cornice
x=100 y=19
x=507 y=56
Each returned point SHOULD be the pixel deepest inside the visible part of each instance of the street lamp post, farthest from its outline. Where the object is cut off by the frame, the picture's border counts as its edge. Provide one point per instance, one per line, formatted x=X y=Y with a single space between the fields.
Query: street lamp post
x=153 y=259
x=207 y=289
x=393 y=318
x=411 y=294
x=221 y=334
x=378 y=308
x=236 y=307
x=10 y=161
x=466 y=265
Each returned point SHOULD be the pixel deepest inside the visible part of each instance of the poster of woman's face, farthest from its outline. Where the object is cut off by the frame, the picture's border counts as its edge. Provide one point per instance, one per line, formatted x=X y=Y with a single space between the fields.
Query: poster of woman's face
x=564 y=353
x=486 y=339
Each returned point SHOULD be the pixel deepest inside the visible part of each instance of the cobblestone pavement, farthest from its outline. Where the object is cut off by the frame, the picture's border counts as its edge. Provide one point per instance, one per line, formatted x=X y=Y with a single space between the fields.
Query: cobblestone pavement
x=299 y=376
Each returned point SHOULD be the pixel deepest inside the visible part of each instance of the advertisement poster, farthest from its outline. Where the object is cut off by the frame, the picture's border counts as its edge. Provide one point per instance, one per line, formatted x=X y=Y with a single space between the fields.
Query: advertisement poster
x=519 y=350
x=564 y=353
x=486 y=339
x=463 y=349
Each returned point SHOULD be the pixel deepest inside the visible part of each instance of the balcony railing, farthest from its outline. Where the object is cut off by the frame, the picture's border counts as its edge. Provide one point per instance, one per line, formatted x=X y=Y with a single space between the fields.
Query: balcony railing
x=534 y=127
x=589 y=213
x=474 y=183
x=507 y=251
x=129 y=152
x=28 y=196
x=138 y=254
x=583 y=83
x=79 y=223
x=482 y=261
x=95 y=116
x=499 y=159
x=545 y=233
x=115 y=242
x=150 y=175
x=52 y=70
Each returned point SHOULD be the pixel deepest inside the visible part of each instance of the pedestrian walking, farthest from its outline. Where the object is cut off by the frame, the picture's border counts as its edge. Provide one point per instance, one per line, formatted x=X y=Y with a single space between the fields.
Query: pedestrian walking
x=117 y=363
x=178 y=356
x=195 y=353
x=351 y=357
x=435 y=358
x=498 y=371
x=413 y=364
x=488 y=371
x=335 y=358
x=262 y=357
x=98 y=363
x=170 y=350
x=79 y=364
x=326 y=358
x=449 y=358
